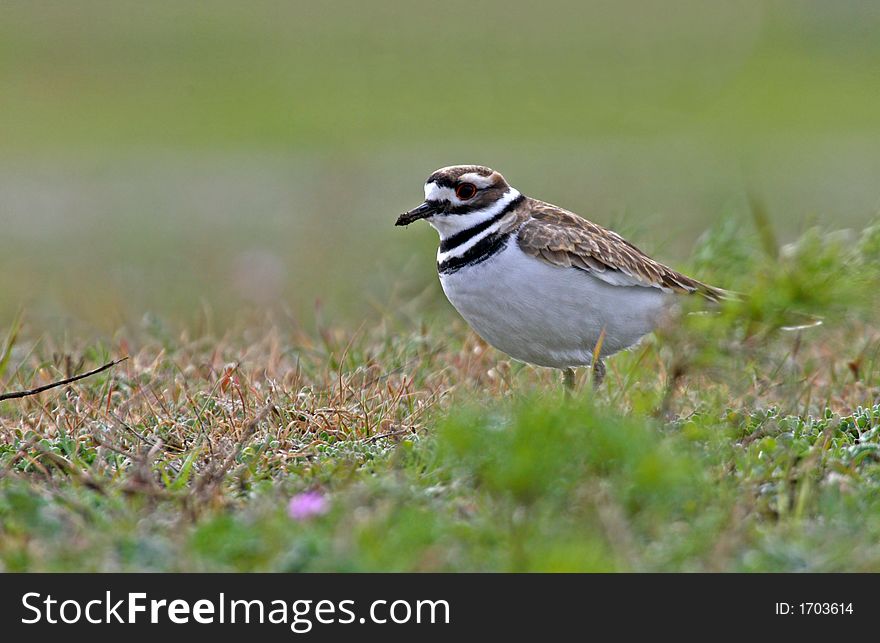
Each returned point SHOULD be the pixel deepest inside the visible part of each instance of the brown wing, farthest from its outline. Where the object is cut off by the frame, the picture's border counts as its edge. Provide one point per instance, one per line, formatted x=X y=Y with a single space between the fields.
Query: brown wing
x=562 y=238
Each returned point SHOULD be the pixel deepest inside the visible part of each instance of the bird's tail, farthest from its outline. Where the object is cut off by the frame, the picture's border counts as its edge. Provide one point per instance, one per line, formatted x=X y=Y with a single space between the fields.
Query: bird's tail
x=713 y=293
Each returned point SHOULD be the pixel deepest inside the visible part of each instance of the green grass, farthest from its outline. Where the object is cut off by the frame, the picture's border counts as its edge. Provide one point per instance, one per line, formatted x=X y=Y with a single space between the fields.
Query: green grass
x=722 y=443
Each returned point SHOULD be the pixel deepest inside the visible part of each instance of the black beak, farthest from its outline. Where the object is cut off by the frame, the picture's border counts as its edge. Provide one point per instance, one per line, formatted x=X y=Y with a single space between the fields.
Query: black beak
x=424 y=211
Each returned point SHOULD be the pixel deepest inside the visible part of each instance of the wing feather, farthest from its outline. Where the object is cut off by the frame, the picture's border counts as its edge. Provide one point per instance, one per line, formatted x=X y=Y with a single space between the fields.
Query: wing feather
x=561 y=238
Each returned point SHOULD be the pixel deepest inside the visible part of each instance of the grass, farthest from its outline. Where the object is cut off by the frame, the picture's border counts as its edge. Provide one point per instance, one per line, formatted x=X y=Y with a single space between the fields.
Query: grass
x=721 y=443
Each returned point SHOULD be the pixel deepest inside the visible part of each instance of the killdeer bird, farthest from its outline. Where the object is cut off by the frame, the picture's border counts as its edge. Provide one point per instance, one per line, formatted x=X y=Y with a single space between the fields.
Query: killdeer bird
x=539 y=282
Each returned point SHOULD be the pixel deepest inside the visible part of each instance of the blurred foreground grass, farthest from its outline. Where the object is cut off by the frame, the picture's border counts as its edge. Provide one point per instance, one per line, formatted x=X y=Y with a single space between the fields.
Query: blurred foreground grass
x=724 y=443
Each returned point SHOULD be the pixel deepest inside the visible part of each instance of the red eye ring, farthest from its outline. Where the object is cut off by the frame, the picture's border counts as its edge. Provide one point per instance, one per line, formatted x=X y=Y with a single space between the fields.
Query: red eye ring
x=466 y=191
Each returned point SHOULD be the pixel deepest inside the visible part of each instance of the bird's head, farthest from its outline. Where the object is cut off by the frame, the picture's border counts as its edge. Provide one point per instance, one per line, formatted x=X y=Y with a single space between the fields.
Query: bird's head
x=452 y=193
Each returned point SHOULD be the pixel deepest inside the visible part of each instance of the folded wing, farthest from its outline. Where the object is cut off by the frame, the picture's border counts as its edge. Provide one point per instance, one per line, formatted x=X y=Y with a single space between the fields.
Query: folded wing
x=561 y=238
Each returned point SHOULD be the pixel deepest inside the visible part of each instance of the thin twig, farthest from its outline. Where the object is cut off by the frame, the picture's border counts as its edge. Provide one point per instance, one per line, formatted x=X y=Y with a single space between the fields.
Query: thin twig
x=34 y=391
x=391 y=434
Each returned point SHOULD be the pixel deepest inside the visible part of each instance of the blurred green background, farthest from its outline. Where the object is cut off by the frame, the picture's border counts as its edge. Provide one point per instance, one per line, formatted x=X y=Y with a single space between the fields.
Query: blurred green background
x=171 y=157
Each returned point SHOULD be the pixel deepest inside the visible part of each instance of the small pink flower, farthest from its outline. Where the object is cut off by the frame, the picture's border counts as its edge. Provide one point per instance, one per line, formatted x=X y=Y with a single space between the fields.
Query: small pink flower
x=307 y=505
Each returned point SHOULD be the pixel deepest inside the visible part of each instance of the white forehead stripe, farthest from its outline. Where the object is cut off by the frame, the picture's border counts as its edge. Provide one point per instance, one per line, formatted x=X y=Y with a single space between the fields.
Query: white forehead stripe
x=434 y=192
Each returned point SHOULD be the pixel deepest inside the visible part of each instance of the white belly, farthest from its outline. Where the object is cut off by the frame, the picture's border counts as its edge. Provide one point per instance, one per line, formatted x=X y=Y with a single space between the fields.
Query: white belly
x=547 y=315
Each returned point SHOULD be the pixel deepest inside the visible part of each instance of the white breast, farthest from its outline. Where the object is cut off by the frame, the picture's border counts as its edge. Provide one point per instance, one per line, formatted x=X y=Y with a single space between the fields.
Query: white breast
x=548 y=315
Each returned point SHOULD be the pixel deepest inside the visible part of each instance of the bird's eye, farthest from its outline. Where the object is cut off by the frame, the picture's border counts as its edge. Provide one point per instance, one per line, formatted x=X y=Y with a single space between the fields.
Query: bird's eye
x=466 y=191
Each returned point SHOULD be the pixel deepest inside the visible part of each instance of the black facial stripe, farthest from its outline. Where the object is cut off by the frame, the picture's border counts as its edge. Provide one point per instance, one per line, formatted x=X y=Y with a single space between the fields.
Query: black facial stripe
x=461 y=237
x=481 y=251
x=464 y=208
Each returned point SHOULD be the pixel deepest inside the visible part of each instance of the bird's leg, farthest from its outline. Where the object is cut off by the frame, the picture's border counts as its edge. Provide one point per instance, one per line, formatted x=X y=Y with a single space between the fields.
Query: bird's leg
x=568 y=380
x=598 y=373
